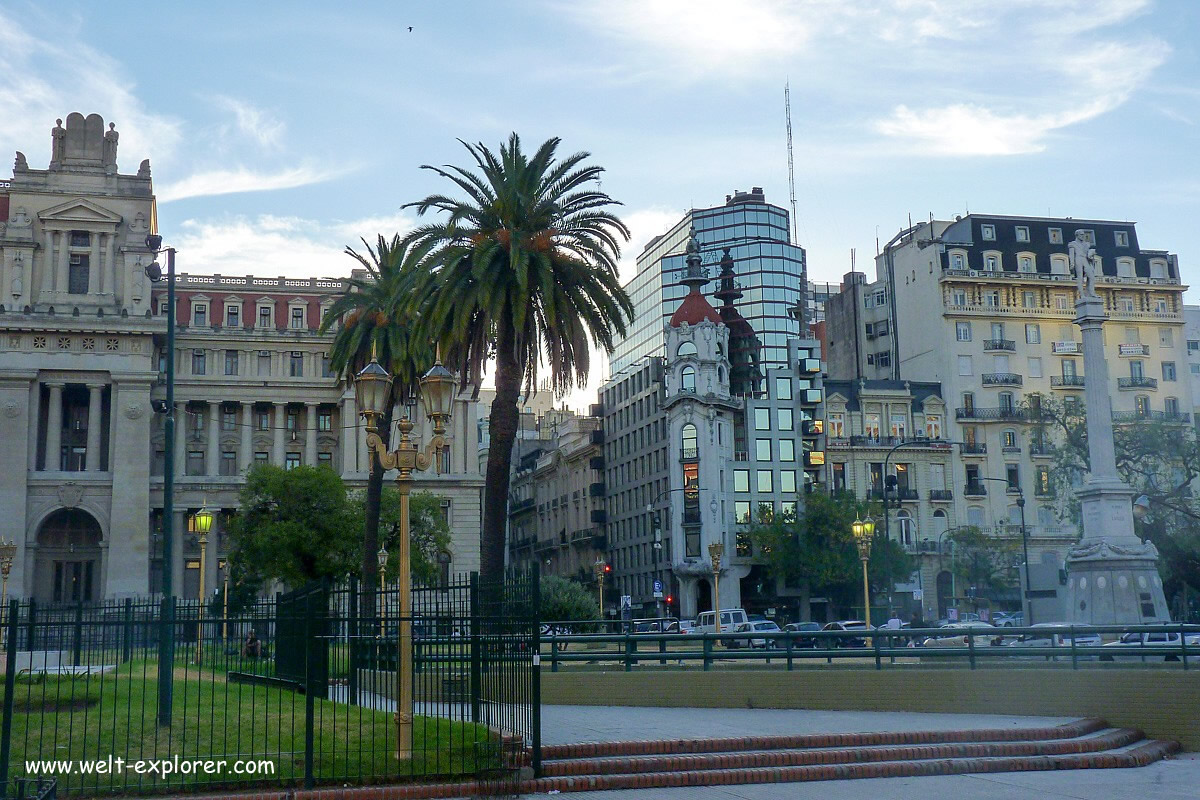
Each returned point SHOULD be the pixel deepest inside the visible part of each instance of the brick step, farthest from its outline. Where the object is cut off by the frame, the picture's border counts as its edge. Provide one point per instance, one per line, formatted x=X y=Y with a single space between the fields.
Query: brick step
x=787 y=757
x=1138 y=755
x=1070 y=730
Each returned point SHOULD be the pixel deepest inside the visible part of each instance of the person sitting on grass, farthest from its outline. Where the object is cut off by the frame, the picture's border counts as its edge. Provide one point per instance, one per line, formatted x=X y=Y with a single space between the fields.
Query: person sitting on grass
x=253 y=647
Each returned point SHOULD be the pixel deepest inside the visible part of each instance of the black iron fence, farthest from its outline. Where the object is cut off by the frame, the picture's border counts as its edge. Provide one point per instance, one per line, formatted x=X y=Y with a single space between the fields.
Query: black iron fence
x=293 y=691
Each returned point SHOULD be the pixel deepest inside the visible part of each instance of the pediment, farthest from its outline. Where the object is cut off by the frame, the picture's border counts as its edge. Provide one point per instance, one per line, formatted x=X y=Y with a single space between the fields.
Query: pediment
x=79 y=211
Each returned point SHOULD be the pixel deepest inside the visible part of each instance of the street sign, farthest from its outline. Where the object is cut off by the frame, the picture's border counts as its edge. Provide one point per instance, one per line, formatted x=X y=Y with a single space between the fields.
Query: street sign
x=658 y=590
x=952 y=614
x=626 y=601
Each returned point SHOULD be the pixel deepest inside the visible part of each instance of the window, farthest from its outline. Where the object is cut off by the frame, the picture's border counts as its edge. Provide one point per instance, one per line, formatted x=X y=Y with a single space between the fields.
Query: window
x=1125 y=304
x=1072 y=407
x=783 y=388
x=787 y=450
x=77 y=275
x=324 y=420
x=933 y=426
x=964 y=365
x=787 y=509
x=765 y=483
x=907 y=528
x=1171 y=406
x=231 y=362
x=1195 y=369
x=988 y=232
x=1056 y=236
x=228 y=463
x=1033 y=333
x=741 y=512
x=787 y=481
x=899 y=426
x=837 y=424
x=233 y=315
x=687 y=379
x=1160 y=305
x=326 y=367
x=325 y=459
x=958 y=297
x=762 y=449
x=881 y=329
x=195 y=462
x=1168 y=370
x=1122 y=238
x=81 y=239
x=686 y=349
x=883 y=359
x=228 y=419
x=839 y=478
x=1137 y=369
x=958 y=261
x=1012 y=474
x=297 y=318
x=1132 y=335
x=1035 y=367
x=296 y=364
x=1061 y=302
x=291 y=460
x=1008 y=438
x=762 y=419
x=264 y=316
x=991 y=263
x=1141 y=404
x=991 y=299
x=871 y=425
x=1125 y=268
x=198 y=362
x=741 y=480
x=880 y=297
x=1025 y=264
x=1166 y=337
x=264 y=363
x=690 y=441
x=1022 y=233
x=1006 y=401
x=260 y=458
x=783 y=418
x=200 y=315
x=262 y=420
x=997 y=330
x=1028 y=300
x=962 y=330
x=292 y=422
x=968 y=401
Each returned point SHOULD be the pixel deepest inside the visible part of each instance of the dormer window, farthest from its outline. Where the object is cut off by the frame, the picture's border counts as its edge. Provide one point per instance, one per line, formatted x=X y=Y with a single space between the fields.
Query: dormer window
x=1056 y=236
x=991 y=263
x=988 y=232
x=297 y=318
x=200 y=314
x=1022 y=233
x=686 y=349
x=264 y=316
x=233 y=316
x=1122 y=238
x=958 y=261
x=1025 y=264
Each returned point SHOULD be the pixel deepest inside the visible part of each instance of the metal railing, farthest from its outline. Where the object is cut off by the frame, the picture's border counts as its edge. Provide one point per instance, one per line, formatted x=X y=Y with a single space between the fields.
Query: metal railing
x=1001 y=413
x=1156 y=416
x=1001 y=379
x=1137 y=383
x=941 y=495
x=970 y=647
x=1000 y=344
x=974 y=489
x=1066 y=381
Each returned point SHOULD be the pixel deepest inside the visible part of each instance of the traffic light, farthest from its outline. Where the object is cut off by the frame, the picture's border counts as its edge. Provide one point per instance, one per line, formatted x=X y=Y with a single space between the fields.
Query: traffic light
x=670 y=600
x=607 y=569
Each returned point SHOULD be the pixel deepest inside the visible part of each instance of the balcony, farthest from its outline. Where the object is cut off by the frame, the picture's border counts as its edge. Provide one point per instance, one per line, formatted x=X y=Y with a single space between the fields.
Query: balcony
x=813 y=427
x=906 y=495
x=584 y=535
x=941 y=495
x=974 y=449
x=1000 y=345
x=596 y=489
x=741 y=455
x=517 y=506
x=975 y=489
x=1001 y=379
x=599 y=516
x=810 y=397
x=1040 y=451
x=598 y=436
x=596 y=462
x=1066 y=381
x=1003 y=413
x=1134 y=350
x=1141 y=382
x=808 y=366
x=689 y=453
x=1152 y=416
x=1011 y=449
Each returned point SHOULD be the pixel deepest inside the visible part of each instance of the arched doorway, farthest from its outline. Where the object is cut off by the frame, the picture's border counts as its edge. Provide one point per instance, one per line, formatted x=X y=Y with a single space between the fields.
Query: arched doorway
x=703 y=595
x=68 y=558
x=945 y=589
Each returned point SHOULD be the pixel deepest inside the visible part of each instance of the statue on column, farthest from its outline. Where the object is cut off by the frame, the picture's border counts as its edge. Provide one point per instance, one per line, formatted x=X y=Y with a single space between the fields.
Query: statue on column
x=18 y=276
x=109 y=159
x=58 y=144
x=1082 y=257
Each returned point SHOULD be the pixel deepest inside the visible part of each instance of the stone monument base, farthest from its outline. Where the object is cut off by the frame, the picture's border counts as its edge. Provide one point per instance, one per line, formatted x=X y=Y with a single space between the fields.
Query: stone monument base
x=1114 y=584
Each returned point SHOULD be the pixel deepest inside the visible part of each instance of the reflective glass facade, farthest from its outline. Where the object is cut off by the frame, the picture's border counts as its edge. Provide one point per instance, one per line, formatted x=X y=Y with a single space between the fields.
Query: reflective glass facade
x=769 y=270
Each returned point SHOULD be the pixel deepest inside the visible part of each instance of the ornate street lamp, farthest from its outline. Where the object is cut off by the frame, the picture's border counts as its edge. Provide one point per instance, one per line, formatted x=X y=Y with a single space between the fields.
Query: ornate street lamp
x=373 y=390
x=382 y=555
x=864 y=530
x=202 y=522
x=715 y=551
x=598 y=569
x=8 y=554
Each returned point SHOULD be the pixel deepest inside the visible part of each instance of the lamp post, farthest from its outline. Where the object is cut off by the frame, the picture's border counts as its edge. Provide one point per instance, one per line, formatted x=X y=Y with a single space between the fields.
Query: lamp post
x=373 y=390
x=598 y=569
x=1024 y=544
x=202 y=520
x=864 y=530
x=382 y=555
x=166 y=641
x=715 y=551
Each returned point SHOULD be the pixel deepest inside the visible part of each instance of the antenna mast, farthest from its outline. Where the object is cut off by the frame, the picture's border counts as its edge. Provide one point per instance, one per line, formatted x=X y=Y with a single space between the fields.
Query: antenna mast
x=787 y=107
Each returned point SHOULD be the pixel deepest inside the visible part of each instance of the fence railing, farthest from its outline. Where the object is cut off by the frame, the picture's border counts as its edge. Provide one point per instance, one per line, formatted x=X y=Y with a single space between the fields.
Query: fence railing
x=293 y=691
x=970 y=647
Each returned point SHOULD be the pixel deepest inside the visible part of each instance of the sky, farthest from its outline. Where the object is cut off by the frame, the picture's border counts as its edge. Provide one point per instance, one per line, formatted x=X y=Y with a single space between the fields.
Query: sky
x=279 y=133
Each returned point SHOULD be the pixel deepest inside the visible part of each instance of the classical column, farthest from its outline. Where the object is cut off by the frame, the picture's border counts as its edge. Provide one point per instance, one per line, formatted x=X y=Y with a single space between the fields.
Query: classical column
x=35 y=410
x=95 y=280
x=94 y=427
x=180 y=533
x=310 y=434
x=212 y=462
x=64 y=262
x=54 y=429
x=109 y=276
x=277 y=427
x=181 y=425
x=348 y=435
x=246 y=457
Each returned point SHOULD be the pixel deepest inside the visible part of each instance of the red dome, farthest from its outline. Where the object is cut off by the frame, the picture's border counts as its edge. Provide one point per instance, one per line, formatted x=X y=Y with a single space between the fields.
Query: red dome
x=693 y=310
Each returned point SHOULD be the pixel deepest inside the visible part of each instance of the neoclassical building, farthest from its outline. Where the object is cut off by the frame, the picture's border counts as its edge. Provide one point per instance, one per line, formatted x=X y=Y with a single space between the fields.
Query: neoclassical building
x=82 y=355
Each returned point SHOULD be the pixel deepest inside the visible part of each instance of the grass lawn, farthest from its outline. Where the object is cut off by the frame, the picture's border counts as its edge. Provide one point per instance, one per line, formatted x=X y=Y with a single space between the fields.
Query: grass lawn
x=114 y=714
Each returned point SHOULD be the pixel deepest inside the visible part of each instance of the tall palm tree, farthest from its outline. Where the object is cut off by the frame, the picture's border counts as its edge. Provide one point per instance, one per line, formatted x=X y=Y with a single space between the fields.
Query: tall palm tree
x=373 y=324
x=523 y=269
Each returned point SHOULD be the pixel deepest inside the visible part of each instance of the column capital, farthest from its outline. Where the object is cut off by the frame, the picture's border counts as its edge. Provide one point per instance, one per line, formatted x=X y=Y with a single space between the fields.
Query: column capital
x=56 y=384
x=92 y=385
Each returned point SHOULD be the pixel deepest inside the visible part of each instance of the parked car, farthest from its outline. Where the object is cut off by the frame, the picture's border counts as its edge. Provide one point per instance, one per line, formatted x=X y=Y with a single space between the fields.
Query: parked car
x=1126 y=648
x=687 y=626
x=849 y=625
x=1009 y=619
x=803 y=627
x=954 y=634
x=706 y=622
x=759 y=626
x=1047 y=638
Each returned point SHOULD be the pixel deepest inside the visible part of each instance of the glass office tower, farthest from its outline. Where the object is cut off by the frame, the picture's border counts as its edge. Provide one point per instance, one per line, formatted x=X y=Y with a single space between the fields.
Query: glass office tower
x=769 y=270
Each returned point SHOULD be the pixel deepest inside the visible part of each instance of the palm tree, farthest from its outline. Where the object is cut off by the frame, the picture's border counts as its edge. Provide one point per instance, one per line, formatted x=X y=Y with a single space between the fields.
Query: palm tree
x=524 y=269
x=373 y=325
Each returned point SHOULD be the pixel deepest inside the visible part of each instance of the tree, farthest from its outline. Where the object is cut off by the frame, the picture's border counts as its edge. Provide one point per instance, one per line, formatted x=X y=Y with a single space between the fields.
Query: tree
x=293 y=526
x=524 y=268
x=563 y=600
x=818 y=549
x=984 y=562
x=429 y=533
x=1157 y=455
x=372 y=323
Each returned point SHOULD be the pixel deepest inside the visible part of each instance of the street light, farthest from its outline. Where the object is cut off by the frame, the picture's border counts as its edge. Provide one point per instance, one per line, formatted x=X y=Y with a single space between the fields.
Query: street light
x=715 y=551
x=598 y=569
x=382 y=555
x=202 y=522
x=373 y=391
x=864 y=530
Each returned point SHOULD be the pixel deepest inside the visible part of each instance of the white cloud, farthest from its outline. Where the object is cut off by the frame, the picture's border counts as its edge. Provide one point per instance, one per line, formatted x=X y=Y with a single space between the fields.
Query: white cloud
x=252 y=122
x=241 y=179
x=277 y=245
x=644 y=224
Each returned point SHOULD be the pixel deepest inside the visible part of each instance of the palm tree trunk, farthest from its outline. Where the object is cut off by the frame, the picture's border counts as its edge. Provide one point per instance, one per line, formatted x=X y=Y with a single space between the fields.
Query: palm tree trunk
x=502 y=433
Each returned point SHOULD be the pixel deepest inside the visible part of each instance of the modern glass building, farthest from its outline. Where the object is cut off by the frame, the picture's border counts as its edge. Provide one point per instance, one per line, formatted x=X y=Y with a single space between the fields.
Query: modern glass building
x=769 y=270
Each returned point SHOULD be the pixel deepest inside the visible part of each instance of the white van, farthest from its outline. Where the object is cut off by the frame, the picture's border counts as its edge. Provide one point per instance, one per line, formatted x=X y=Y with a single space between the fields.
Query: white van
x=706 y=622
